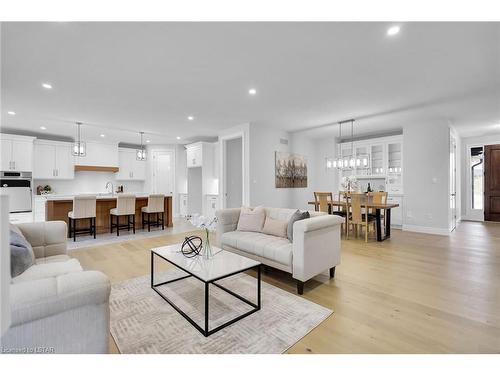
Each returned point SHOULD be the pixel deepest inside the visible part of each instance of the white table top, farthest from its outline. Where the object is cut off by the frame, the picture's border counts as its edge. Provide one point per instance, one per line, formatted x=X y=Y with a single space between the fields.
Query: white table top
x=223 y=263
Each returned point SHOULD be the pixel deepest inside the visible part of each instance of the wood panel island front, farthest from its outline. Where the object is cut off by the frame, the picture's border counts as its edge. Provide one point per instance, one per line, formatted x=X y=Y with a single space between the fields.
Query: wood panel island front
x=57 y=208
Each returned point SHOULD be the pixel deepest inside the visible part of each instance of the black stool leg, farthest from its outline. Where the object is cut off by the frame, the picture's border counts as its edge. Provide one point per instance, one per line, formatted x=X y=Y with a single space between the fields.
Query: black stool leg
x=162 y=221
x=74 y=231
x=117 y=226
x=133 y=222
x=111 y=223
x=128 y=223
x=69 y=227
x=94 y=220
x=149 y=222
x=142 y=219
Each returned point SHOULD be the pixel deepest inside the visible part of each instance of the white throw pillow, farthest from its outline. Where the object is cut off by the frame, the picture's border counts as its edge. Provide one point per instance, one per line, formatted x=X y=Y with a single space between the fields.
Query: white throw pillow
x=251 y=220
x=275 y=227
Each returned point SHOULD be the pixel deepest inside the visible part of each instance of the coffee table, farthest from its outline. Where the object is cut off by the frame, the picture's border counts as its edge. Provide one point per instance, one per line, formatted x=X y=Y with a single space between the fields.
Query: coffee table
x=223 y=264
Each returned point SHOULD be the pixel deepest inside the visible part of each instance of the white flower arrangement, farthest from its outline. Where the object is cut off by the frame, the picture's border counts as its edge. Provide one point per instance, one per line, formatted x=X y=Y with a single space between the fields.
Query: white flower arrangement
x=209 y=225
x=349 y=183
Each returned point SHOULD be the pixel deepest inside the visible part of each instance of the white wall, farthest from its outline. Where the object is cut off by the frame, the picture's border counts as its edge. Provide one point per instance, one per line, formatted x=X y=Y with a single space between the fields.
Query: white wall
x=89 y=182
x=264 y=141
x=318 y=177
x=426 y=177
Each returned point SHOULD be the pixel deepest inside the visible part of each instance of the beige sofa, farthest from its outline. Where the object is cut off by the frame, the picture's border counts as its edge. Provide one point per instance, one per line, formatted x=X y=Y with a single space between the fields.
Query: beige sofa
x=56 y=306
x=315 y=247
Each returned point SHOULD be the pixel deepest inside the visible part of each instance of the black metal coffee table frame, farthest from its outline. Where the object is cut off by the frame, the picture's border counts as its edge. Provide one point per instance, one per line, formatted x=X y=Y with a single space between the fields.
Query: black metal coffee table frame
x=206 y=331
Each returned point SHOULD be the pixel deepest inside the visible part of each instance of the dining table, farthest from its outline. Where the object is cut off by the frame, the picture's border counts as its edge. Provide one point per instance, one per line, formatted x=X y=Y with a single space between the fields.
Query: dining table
x=378 y=207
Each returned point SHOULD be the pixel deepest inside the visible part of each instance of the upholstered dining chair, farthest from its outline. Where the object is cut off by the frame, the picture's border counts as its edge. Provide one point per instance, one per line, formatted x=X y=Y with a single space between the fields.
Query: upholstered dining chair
x=125 y=206
x=156 y=206
x=321 y=200
x=356 y=216
x=84 y=207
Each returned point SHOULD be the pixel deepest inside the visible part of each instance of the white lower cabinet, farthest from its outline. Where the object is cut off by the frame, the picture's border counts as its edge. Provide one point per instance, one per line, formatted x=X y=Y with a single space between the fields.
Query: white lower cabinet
x=396 y=213
x=39 y=208
x=183 y=205
x=211 y=204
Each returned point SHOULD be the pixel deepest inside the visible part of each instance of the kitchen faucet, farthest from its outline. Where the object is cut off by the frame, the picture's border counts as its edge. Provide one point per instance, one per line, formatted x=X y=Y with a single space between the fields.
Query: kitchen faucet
x=112 y=187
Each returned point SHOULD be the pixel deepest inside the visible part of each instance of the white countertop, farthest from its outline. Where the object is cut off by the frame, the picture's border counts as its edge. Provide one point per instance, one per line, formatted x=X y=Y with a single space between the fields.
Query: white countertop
x=63 y=197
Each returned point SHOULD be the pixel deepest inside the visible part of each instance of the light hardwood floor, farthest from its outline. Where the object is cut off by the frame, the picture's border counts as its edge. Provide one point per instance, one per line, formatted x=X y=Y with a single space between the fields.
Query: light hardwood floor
x=415 y=293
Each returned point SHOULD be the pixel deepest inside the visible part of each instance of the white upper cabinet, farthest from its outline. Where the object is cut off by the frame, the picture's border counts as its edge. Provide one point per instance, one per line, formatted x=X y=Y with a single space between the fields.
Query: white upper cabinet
x=53 y=160
x=17 y=153
x=99 y=155
x=130 y=167
x=194 y=154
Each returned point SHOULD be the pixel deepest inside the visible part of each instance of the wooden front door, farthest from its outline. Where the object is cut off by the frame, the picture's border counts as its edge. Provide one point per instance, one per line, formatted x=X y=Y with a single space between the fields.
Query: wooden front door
x=492 y=183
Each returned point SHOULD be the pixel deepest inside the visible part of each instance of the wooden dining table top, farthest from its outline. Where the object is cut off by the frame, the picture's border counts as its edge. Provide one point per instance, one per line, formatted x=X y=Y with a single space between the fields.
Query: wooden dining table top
x=381 y=206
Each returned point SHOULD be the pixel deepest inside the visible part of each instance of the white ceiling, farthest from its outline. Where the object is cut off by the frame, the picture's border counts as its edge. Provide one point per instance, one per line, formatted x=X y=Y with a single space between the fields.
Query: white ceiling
x=151 y=76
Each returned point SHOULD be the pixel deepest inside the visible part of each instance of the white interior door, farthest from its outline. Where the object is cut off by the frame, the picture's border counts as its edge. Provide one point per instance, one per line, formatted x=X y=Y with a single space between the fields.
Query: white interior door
x=163 y=172
x=233 y=173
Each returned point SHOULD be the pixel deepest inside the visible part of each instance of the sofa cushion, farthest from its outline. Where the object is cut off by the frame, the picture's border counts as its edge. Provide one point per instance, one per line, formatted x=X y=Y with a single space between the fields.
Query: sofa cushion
x=295 y=217
x=283 y=214
x=275 y=227
x=251 y=220
x=277 y=249
x=21 y=253
x=45 y=270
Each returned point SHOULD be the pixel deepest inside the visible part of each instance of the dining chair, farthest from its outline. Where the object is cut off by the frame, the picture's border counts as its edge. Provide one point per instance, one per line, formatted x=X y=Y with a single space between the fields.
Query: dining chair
x=84 y=207
x=377 y=197
x=356 y=216
x=156 y=205
x=321 y=200
x=125 y=206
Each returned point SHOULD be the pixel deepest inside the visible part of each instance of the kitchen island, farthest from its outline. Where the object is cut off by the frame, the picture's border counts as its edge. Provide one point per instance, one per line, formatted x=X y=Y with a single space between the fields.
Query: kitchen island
x=57 y=208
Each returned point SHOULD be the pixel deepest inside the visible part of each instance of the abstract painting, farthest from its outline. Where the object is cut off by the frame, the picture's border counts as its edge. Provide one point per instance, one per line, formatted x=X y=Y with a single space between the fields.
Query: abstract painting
x=290 y=170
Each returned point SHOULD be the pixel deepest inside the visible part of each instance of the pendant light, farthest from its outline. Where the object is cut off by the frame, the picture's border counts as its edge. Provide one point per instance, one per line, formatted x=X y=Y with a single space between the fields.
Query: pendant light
x=79 y=148
x=141 y=153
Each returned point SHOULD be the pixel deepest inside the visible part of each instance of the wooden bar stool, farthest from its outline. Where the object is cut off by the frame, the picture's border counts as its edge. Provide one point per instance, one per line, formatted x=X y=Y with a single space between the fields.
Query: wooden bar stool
x=84 y=207
x=156 y=205
x=125 y=206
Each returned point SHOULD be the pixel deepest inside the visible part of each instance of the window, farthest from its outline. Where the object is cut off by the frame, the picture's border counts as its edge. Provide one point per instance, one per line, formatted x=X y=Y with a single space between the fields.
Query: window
x=477 y=175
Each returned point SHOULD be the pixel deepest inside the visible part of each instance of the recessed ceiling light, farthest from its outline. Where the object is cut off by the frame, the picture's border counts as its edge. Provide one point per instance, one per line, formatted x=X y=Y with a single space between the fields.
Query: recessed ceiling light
x=190 y=118
x=252 y=91
x=46 y=85
x=102 y=135
x=178 y=138
x=12 y=113
x=43 y=128
x=147 y=141
x=393 y=30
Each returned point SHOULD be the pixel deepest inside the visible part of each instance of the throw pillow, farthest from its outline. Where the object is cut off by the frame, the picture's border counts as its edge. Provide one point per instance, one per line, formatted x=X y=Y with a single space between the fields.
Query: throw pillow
x=22 y=256
x=251 y=220
x=295 y=217
x=275 y=227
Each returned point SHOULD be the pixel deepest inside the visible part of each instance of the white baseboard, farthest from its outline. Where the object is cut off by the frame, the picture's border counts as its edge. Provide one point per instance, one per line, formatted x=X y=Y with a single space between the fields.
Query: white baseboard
x=429 y=230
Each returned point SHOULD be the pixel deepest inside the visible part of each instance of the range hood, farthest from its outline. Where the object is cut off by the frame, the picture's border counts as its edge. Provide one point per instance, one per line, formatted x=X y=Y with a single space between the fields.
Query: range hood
x=95 y=168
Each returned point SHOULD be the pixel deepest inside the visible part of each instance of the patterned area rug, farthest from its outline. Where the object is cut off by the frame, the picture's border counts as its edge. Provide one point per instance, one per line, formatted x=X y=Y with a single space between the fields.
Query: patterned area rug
x=142 y=322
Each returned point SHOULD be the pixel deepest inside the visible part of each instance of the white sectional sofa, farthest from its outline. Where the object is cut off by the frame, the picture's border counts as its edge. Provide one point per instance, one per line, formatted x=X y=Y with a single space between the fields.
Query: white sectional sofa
x=315 y=247
x=56 y=306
